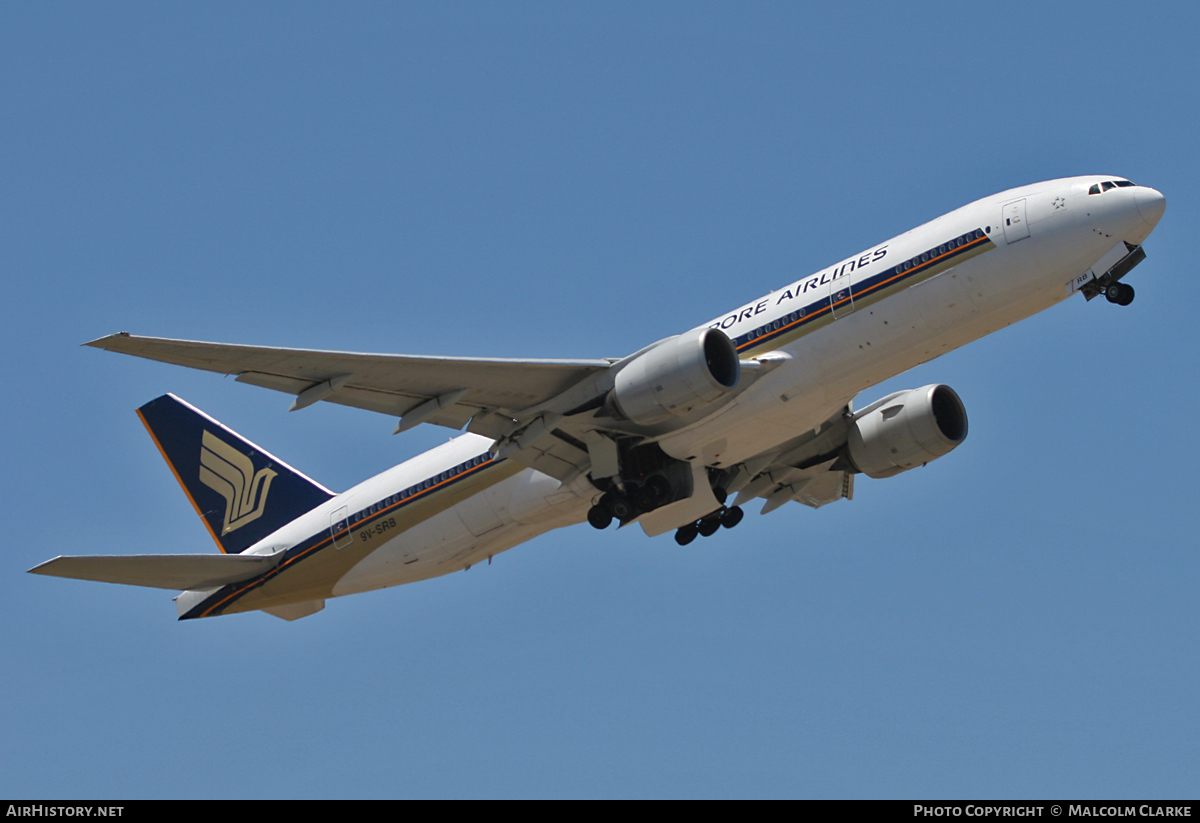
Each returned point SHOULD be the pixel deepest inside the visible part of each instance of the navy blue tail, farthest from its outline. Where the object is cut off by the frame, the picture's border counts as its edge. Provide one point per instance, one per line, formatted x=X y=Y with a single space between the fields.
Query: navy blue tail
x=240 y=491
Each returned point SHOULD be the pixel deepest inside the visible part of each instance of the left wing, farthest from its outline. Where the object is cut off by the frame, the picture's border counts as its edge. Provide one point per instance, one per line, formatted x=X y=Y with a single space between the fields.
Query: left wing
x=448 y=391
x=813 y=486
x=810 y=470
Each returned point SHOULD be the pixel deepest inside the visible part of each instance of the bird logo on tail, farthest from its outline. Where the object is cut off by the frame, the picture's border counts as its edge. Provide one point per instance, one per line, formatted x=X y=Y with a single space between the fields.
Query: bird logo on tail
x=231 y=474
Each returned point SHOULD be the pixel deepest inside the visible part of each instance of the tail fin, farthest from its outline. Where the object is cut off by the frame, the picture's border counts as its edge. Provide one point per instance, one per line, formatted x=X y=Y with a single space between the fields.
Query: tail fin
x=241 y=492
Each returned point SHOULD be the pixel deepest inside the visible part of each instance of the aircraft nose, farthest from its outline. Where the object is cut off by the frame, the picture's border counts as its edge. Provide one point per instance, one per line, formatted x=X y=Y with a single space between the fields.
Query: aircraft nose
x=1150 y=204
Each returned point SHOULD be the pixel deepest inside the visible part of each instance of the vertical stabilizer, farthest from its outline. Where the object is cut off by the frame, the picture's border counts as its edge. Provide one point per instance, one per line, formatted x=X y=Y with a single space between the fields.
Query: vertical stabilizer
x=242 y=492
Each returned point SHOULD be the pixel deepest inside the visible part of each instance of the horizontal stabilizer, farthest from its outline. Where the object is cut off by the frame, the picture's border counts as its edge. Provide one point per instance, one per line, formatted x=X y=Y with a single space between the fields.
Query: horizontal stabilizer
x=162 y=571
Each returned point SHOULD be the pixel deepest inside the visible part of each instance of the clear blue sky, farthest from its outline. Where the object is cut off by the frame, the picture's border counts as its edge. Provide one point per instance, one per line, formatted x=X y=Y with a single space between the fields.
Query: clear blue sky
x=577 y=180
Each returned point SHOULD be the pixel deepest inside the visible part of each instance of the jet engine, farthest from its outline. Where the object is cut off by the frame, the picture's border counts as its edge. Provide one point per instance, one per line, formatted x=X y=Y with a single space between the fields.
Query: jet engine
x=907 y=429
x=676 y=376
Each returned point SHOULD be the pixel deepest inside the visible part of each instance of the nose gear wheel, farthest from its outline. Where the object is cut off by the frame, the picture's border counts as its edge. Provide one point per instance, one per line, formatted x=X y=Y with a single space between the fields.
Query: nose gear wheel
x=1119 y=293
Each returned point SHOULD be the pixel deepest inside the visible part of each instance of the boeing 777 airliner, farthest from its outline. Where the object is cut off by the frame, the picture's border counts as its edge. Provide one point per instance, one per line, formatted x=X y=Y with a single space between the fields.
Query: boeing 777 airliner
x=756 y=403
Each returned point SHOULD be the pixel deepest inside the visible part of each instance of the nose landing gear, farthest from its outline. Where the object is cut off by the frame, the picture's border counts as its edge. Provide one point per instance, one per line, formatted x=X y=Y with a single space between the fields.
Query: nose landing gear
x=1119 y=293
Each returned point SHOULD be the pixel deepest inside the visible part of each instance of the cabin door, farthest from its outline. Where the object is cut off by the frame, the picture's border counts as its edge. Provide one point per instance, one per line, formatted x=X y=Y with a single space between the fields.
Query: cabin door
x=1015 y=227
x=339 y=529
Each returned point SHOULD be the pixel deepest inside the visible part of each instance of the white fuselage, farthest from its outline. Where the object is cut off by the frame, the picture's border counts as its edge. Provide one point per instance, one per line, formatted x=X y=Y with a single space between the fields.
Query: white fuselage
x=1033 y=242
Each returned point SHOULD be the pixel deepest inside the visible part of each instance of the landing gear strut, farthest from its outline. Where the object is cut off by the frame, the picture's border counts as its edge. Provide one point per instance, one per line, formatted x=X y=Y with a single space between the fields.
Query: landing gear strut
x=1119 y=293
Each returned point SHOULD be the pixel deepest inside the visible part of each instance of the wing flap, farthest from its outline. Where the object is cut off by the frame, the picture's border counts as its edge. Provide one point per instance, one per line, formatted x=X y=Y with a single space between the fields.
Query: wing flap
x=554 y=457
x=826 y=488
x=161 y=571
x=814 y=486
x=290 y=385
x=454 y=416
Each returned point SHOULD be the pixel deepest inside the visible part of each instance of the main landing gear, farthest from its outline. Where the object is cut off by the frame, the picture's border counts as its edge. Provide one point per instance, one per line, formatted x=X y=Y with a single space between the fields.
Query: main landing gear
x=599 y=517
x=651 y=494
x=1119 y=293
x=707 y=526
x=623 y=507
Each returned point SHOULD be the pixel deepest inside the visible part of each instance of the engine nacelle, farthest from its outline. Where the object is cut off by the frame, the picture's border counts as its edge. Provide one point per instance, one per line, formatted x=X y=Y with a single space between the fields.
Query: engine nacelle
x=906 y=430
x=678 y=375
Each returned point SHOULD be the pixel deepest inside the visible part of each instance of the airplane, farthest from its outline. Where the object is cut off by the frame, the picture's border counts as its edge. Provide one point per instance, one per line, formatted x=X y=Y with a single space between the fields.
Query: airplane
x=756 y=403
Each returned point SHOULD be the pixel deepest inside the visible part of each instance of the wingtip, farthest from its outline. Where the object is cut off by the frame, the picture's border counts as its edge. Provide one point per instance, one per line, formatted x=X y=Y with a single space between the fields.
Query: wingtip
x=40 y=568
x=99 y=342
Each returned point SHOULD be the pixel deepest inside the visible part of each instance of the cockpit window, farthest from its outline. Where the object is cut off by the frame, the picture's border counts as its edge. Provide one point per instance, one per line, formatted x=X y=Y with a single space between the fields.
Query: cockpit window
x=1098 y=188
